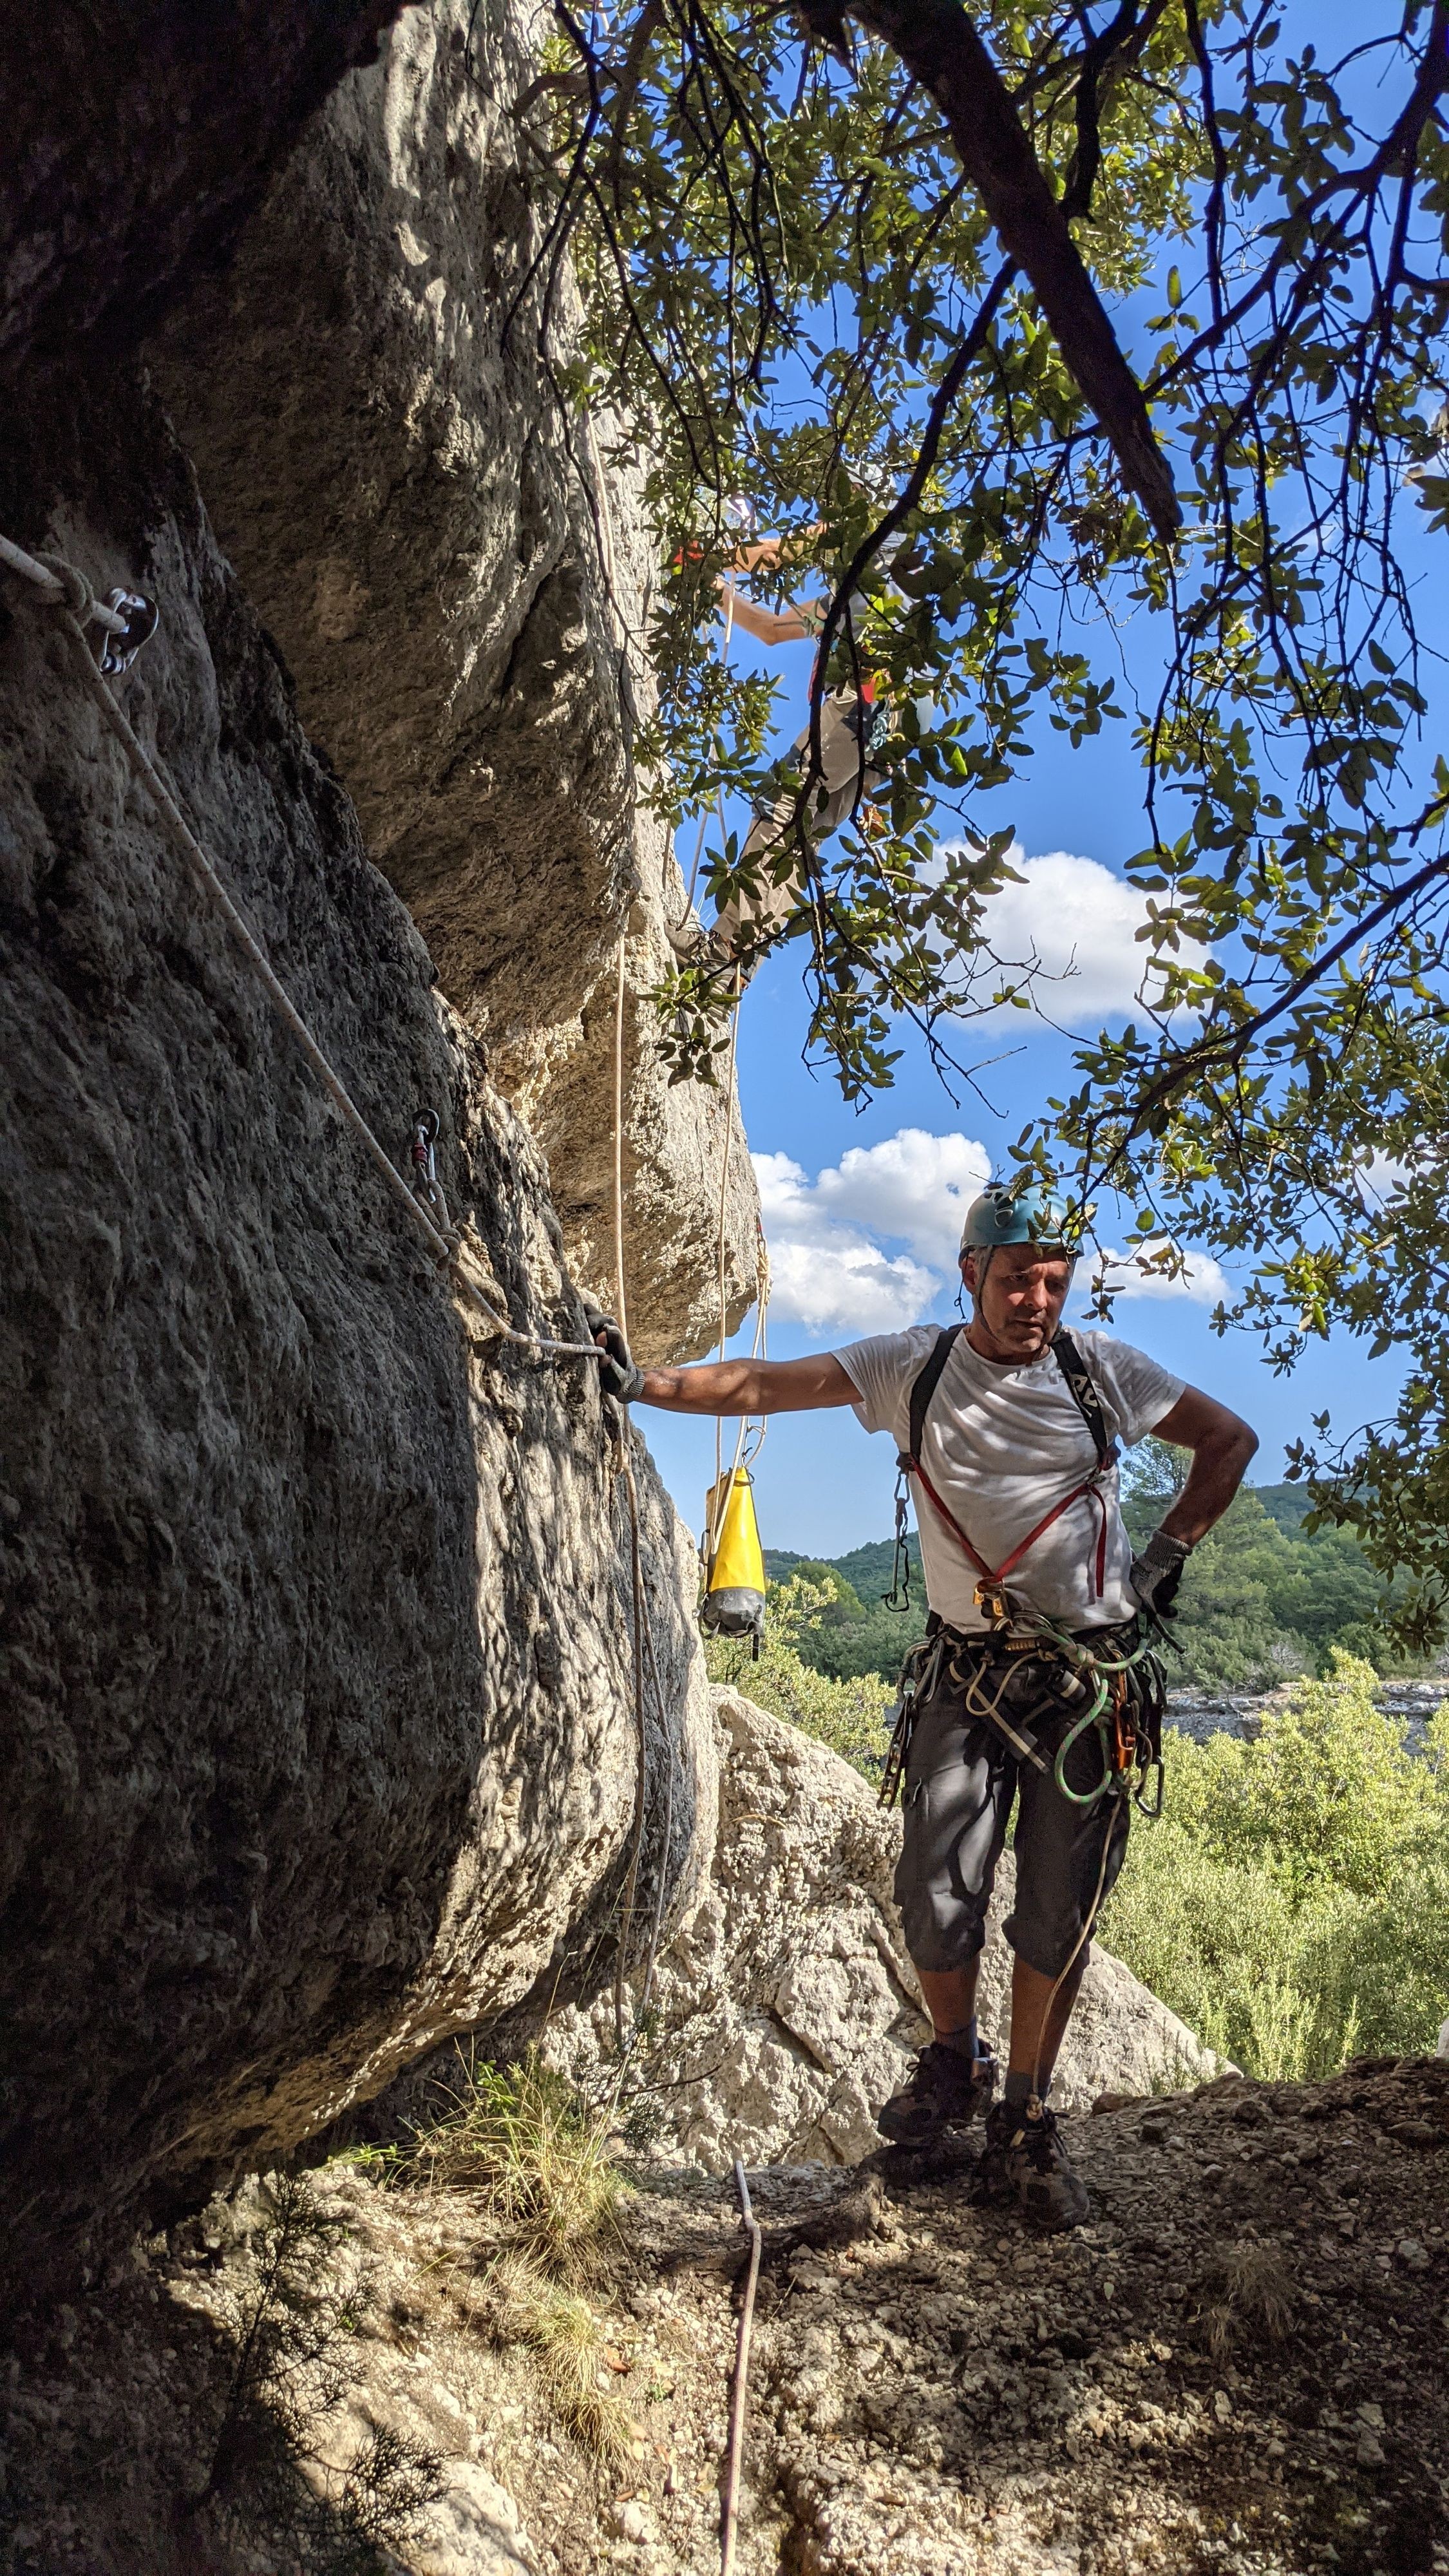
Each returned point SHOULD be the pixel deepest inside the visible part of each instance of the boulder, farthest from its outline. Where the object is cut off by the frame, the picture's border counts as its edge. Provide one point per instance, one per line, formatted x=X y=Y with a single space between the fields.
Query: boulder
x=455 y=563
x=318 y=1727
x=784 y=2010
x=138 y=138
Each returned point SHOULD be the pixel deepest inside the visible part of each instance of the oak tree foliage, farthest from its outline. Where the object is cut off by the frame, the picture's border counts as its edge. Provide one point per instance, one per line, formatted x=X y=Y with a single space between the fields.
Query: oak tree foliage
x=1091 y=357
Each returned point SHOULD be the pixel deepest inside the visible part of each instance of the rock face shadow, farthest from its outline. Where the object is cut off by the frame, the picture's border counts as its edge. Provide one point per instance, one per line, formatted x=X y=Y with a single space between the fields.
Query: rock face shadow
x=319 y=1729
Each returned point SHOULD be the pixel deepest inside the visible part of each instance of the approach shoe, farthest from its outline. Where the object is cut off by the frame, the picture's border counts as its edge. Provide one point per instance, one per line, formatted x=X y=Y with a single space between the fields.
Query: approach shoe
x=1024 y=2159
x=945 y=2091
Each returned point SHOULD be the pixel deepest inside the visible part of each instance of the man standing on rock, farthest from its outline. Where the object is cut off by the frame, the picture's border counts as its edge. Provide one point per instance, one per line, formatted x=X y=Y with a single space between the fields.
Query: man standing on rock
x=1034 y=1686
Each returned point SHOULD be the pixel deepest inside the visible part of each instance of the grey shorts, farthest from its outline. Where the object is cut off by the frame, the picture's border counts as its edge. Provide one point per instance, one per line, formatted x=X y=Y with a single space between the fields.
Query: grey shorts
x=959 y=1785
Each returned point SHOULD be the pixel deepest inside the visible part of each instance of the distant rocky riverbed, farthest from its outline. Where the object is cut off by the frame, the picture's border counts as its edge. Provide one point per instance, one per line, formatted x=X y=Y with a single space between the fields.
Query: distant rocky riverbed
x=1201 y=1713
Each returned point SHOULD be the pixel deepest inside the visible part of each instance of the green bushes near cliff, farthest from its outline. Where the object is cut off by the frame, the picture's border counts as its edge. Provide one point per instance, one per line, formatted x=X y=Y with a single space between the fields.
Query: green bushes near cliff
x=1292 y=1904
x=1262 y=1600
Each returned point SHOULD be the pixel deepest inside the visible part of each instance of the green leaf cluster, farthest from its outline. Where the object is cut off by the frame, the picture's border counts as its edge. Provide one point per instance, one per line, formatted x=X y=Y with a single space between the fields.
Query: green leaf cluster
x=792 y=297
x=1293 y=1902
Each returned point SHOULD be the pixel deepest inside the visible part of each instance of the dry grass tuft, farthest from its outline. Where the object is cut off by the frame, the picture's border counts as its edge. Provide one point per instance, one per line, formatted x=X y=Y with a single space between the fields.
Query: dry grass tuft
x=1254 y=2299
x=521 y=2139
x=568 y=2342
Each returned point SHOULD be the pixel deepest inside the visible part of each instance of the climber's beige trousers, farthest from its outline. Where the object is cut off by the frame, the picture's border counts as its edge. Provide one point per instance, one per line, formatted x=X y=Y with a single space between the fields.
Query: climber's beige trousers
x=774 y=843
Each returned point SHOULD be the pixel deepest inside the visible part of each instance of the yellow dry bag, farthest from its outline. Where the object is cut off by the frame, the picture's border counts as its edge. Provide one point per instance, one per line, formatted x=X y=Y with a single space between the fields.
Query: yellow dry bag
x=734 y=1568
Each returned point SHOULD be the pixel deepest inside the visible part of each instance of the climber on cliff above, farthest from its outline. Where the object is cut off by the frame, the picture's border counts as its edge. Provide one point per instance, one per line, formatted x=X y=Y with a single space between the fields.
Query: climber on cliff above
x=1012 y=1442
x=852 y=717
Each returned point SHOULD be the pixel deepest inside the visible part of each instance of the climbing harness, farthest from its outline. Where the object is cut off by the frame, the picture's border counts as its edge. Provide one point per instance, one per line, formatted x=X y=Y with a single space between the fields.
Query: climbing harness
x=1107 y=1678
x=992 y=1598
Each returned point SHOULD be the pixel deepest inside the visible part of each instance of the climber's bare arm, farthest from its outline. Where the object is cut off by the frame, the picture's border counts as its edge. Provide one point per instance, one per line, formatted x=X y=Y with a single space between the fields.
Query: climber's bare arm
x=1221 y=1448
x=750 y=1386
x=767 y=625
x=768 y=550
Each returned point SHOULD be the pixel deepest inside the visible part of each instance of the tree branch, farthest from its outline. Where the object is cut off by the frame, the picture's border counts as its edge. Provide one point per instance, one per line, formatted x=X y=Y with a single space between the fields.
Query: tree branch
x=939 y=46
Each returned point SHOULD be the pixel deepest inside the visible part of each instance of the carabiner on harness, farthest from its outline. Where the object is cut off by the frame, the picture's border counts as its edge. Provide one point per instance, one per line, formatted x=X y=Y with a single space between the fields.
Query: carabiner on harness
x=1125 y=1746
x=917 y=1681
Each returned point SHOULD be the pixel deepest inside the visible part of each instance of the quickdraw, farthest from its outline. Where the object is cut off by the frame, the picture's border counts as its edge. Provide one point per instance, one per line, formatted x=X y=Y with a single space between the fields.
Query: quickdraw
x=1119 y=1681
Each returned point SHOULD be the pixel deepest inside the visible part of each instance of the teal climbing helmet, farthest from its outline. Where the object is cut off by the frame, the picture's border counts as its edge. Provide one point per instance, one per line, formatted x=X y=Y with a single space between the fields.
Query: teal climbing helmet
x=1004 y=1215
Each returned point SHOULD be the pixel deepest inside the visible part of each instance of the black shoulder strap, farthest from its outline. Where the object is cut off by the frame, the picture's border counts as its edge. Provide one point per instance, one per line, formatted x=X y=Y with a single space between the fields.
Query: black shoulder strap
x=927 y=1381
x=1084 y=1395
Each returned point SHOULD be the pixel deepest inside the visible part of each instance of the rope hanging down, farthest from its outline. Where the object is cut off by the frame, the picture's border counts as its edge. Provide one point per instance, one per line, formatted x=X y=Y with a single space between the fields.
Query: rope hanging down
x=68 y=591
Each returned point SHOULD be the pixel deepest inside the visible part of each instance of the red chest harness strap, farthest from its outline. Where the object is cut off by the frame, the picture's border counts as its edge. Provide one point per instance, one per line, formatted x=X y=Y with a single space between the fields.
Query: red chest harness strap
x=990 y=1597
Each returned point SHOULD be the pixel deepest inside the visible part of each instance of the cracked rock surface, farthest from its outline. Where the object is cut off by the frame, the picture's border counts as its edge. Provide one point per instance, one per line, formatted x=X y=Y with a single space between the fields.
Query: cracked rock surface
x=784 y=2009
x=319 y=1737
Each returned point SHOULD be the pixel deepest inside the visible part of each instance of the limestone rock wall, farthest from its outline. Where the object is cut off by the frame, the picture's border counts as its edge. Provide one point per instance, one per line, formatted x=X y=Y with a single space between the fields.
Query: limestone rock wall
x=786 y=2009
x=138 y=135
x=317 y=1730
x=455 y=567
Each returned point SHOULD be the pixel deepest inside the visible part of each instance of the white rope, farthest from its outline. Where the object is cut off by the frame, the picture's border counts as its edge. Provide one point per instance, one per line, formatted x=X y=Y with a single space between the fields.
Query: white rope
x=739 y=2391
x=66 y=588
x=722 y=1489
x=57 y=583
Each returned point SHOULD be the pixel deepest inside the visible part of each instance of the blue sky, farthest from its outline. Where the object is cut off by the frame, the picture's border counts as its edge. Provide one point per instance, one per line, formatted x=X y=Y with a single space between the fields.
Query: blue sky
x=862 y=1208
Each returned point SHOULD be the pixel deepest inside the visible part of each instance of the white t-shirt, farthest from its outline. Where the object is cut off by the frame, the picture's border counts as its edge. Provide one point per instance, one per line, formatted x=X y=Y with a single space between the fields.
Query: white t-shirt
x=1001 y=1446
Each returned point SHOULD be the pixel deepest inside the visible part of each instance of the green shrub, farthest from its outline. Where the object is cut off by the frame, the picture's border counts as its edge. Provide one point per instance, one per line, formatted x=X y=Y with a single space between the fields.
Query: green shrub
x=1293 y=1903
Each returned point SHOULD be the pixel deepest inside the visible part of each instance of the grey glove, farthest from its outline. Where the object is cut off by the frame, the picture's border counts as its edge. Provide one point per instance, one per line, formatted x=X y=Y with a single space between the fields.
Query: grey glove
x=618 y=1375
x=1157 y=1572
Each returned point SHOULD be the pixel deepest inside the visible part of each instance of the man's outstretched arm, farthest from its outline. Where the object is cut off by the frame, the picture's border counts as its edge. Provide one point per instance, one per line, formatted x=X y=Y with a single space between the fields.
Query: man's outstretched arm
x=749 y=1386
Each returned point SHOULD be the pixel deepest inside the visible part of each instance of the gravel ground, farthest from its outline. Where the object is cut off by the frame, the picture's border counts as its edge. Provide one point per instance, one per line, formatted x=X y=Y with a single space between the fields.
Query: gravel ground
x=1238 y=2366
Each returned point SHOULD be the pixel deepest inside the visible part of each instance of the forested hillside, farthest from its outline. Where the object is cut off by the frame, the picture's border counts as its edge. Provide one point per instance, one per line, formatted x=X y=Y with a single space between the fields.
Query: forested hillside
x=1262 y=1599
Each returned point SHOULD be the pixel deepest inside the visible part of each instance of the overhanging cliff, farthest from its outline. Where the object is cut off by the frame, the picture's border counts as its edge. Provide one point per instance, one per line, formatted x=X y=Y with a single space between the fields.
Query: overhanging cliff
x=320 y=1734
x=453 y=560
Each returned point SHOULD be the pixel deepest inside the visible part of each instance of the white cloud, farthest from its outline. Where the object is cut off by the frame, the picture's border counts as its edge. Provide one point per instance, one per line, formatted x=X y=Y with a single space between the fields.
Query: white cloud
x=1203 y=1282
x=1381 y=1178
x=915 y=1186
x=1078 y=922
x=828 y=1268
x=870 y=1243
